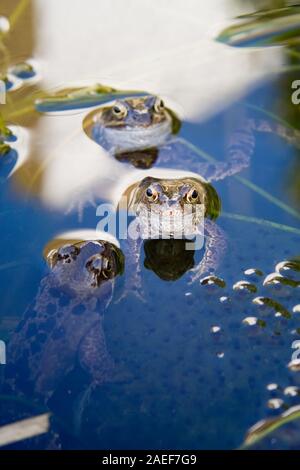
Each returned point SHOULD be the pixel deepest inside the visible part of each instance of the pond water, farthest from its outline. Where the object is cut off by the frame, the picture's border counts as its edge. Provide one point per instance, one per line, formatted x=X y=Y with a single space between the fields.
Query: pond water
x=180 y=366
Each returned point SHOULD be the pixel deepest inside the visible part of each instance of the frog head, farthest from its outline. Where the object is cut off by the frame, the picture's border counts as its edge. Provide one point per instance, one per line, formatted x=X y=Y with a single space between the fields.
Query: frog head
x=173 y=206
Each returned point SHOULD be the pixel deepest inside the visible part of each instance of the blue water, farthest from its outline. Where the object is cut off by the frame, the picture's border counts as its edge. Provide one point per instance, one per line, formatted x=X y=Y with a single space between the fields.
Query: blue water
x=186 y=387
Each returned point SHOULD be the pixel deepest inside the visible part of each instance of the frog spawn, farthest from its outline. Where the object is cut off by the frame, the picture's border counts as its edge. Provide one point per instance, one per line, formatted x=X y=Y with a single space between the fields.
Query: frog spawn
x=282 y=283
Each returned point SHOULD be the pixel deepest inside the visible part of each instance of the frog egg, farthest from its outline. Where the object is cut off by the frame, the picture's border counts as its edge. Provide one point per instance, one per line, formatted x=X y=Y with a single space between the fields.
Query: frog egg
x=272 y=387
x=296 y=309
x=212 y=283
x=289 y=269
x=275 y=403
x=253 y=274
x=268 y=306
x=291 y=391
x=294 y=365
x=250 y=321
x=215 y=329
x=278 y=284
x=225 y=300
x=244 y=288
x=254 y=325
x=4 y=25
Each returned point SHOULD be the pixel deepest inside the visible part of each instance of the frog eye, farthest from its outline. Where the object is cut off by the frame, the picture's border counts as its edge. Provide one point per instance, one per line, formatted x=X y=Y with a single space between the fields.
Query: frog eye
x=119 y=110
x=192 y=195
x=107 y=269
x=159 y=105
x=151 y=194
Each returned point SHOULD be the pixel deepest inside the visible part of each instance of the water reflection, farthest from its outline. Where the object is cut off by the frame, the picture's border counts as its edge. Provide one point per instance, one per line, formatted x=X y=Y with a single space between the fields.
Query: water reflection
x=168 y=259
x=206 y=343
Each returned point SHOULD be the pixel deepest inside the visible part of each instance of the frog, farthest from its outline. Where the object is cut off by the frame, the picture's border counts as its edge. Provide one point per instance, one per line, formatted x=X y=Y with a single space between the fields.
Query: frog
x=64 y=325
x=142 y=132
x=164 y=209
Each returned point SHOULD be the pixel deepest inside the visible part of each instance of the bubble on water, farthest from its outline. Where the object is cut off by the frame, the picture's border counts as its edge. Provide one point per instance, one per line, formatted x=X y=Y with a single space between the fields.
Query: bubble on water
x=220 y=355
x=4 y=25
x=292 y=391
x=275 y=403
x=213 y=281
x=289 y=269
x=253 y=274
x=245 y=286
x=294 y=365
x=215 y=329
x=272 y=387
x=296 y=309
x=268 y=306
x=188 y=294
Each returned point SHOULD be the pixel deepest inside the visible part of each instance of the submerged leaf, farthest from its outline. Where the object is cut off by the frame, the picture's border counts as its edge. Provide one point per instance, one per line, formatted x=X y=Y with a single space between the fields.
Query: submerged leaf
x=266 y=426
x=266 y=28
x=79 y=97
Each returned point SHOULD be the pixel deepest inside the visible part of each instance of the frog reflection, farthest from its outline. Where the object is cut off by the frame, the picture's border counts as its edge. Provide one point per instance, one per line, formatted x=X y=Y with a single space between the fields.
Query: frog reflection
x=64 y=325
x=168 y=259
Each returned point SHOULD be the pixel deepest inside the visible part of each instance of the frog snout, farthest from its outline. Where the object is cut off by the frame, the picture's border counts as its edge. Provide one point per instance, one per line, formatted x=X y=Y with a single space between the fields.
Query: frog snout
x=142 y=118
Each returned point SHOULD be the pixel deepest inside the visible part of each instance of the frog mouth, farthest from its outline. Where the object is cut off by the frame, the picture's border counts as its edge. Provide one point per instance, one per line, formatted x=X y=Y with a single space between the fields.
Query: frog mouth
x=171 y=223
x=137 y=138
